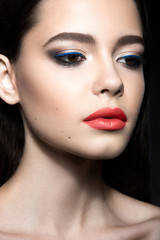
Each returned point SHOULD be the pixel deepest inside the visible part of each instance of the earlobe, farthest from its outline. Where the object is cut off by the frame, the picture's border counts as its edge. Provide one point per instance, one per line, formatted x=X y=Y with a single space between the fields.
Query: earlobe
x=8 y=90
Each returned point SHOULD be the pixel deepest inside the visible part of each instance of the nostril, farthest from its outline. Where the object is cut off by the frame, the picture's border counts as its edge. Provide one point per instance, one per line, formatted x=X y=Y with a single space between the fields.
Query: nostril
x=119 y=92
x=104 y=90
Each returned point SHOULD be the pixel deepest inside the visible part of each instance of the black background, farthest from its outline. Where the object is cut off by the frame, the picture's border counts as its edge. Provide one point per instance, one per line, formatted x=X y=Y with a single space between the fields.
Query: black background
x=154 y=19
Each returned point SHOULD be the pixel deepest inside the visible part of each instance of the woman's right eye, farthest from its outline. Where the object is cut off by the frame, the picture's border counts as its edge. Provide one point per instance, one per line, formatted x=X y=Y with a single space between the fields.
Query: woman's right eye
x=69 y=59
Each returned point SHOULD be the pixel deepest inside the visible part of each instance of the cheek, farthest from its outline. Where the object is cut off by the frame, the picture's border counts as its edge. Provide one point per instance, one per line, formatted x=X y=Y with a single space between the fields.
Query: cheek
x=134 y=96
x=47 y=104
x=39 y=88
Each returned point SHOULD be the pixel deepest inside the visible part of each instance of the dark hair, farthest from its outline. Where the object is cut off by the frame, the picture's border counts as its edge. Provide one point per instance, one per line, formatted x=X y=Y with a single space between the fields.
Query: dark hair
x=129 y=173
x=16 y=18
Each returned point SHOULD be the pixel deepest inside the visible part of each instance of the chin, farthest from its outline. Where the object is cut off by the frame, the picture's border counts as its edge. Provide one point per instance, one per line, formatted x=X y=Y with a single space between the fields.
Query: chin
x=103 y=156
x=101 y=146
x=100 y=153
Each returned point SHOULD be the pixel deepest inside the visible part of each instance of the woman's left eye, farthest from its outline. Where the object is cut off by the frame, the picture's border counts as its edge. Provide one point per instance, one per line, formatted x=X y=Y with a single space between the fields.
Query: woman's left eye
x=131 y=61
x=70 y=59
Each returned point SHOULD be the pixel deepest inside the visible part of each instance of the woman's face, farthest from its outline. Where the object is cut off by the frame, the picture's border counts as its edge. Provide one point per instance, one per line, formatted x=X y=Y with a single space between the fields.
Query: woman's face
x=80 y=57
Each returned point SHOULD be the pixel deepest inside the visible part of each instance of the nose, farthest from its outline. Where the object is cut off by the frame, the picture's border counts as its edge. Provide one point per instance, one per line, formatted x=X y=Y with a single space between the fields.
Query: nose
x=107 y=80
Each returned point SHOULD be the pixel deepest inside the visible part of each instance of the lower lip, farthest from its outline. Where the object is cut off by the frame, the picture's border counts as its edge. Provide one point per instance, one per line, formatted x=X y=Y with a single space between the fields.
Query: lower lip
x=106 y=124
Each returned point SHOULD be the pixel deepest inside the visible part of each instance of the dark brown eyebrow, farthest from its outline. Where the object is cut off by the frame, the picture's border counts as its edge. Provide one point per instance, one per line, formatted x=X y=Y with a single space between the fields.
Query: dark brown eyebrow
x=129 y=39
x=72 y=36
x=89 y=39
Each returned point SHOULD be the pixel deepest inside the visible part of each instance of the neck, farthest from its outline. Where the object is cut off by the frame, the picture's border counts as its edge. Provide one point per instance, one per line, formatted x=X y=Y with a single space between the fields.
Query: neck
x=56 y=188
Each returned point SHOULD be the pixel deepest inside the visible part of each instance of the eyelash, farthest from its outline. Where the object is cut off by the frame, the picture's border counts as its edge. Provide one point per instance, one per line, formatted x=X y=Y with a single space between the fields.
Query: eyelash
x=134 y=61
x=71 y=59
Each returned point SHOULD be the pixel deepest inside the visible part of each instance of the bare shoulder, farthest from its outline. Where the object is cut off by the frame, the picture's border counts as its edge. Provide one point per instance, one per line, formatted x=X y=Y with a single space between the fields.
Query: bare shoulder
x=138 y=220
x=131 y=210
x=9 y=236
x=15 y=236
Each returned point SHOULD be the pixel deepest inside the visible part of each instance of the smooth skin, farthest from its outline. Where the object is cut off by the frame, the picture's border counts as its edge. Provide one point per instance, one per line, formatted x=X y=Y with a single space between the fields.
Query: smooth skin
x=57 y=192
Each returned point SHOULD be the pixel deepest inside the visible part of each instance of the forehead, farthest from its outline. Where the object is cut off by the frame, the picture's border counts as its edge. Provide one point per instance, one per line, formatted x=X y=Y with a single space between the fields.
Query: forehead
x=89 y=15
x=105 y=20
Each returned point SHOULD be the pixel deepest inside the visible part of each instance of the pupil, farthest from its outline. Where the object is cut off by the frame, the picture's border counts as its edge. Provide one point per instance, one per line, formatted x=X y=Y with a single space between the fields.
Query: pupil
x=73 y=58
x=131 y=61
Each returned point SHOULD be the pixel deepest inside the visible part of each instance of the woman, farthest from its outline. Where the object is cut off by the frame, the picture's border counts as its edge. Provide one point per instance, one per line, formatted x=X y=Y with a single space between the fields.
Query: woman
x=73 y=94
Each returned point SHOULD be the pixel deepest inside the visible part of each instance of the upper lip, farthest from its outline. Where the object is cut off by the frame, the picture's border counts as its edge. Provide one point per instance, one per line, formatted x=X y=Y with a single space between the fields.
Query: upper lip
x=107 y=112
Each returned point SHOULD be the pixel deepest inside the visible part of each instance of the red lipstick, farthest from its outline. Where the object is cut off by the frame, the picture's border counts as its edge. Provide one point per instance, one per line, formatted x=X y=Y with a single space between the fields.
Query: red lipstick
x=107 y=119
